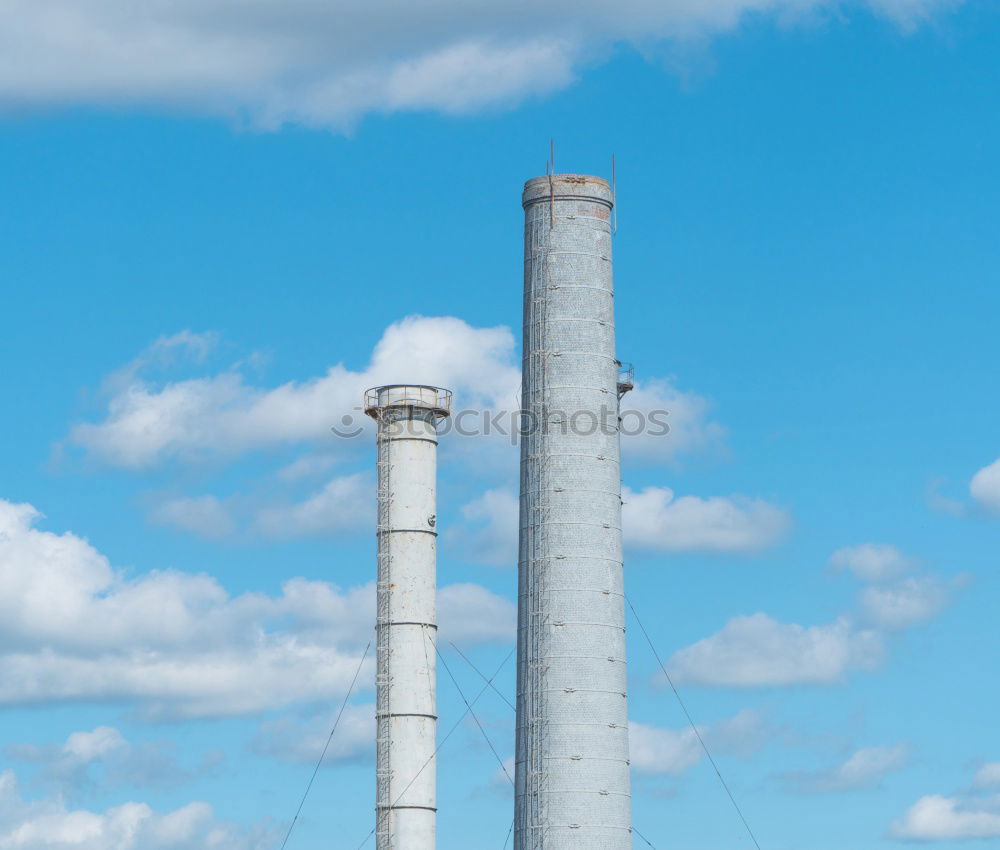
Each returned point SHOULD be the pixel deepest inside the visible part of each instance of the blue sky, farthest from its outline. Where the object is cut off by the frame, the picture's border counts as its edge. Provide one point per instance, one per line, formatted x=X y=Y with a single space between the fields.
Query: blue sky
x=218 y=227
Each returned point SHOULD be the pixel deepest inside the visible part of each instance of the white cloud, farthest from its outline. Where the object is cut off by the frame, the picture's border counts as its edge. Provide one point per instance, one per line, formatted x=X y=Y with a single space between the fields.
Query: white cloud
x=757 y=650
x=469 y=74
x=863 y=769
x=491 y=534
x=904 y=603
x=654 y=519
x=223 y=416
x=938 y=818
x=656 y=750
x=988 y=776
x=163 y=352
x=871 y=561
x=344 y=504
x=985 y=487
x=205 y=516
x=49 y=825
x=325 y=64
x=68 y=762
x=175 y=644
x=660 y=422
x=892 y=601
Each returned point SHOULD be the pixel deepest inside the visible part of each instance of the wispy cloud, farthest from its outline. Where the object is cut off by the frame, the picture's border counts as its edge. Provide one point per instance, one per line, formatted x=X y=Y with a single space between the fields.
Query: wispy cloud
x=205 y=516
x=345 y=503
x=871 y=561
x=655 y=750
x=863 y=769
x=295 y=740
x=145 y=765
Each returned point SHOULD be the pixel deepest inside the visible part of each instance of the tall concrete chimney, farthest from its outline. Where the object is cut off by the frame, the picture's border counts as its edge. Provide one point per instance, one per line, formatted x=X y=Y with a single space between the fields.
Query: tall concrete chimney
x=572 y=761
x=406 y=624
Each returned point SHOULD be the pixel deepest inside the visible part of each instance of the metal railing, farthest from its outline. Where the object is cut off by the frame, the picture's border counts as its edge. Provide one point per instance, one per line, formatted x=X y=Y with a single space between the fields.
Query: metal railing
x=407 y=395
x=626 y=378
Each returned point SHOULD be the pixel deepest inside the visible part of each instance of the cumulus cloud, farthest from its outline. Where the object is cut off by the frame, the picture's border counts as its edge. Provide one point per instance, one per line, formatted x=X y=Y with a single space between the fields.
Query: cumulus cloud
x=904 y=603
x=175 y=644
x=893 y=600
x=871 y=561
x=655 y=519
x=326 y=64
x=862 y=769
x=985 y=487
x=939 y=818
x=660 y=422
x=757 y=650
x=223 y=416
x=652 y=519
x=49 y=825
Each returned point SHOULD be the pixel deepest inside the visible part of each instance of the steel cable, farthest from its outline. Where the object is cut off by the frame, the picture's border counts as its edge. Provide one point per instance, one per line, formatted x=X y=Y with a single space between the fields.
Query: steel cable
x=326 y=747
x=444 y=740
x=691 y=722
